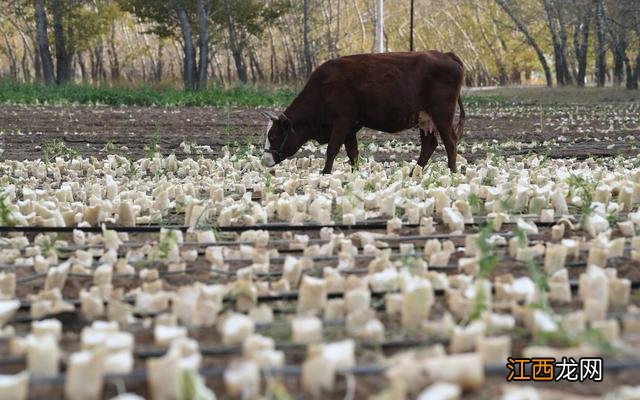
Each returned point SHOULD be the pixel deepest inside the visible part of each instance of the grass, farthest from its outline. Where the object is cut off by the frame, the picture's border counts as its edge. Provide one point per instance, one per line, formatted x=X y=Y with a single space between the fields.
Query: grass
x=267 y=96
x=583 y=188
x=218 y=96
x=49 y=245
x=543 y=96
x=57 y=148
x=487 y=262
x=165 y=246
x=5 y=211
x=476 y=203
x=242 y=149
x=153 y=148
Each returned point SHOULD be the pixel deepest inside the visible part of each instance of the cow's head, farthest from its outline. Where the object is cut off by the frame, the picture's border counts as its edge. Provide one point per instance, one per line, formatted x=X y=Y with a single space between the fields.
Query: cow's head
x=281 y=140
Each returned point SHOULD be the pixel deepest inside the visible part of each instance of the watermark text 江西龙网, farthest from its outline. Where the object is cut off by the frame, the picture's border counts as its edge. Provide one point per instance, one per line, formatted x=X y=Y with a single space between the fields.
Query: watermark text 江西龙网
x=550 y=369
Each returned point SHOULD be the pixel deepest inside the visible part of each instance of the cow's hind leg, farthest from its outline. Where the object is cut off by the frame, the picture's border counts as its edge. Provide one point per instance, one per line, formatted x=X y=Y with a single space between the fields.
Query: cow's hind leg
x=428 y=144
x=351 y=146
x=444 y=123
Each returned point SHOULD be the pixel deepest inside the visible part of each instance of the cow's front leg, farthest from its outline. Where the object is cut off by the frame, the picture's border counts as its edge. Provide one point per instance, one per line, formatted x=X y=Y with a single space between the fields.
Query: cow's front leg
x=338 y=137
x=351 y=146
x=428 y=144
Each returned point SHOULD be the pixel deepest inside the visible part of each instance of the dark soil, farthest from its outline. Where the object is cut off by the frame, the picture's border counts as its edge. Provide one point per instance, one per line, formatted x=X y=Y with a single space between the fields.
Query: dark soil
x=127 y=130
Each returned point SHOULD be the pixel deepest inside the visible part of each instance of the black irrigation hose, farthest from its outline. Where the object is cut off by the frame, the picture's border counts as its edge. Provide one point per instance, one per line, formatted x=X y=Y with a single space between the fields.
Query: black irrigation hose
x=214 y=351
x=31 y=278
x=277 y=242
x=391 y=343
x=140 y=374
x=281 y=226
x=448 y=267
x=291 y=295
x=275 y=260
x=157 y=228
x=273 y=243
x=275 y=226
x=271 y=226
x=227 y=350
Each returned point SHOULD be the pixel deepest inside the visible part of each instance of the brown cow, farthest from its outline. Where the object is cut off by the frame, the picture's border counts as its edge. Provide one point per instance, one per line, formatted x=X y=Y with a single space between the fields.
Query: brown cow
x=388 y=92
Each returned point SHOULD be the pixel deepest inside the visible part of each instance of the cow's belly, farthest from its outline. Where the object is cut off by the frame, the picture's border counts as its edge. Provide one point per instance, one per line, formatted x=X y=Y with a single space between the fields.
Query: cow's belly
x=392 y=123
x=385 y=113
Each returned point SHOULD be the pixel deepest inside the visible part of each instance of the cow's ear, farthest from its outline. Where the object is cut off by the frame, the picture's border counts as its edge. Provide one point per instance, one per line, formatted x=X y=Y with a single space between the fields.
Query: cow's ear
x=269 y=115
x=284 y=120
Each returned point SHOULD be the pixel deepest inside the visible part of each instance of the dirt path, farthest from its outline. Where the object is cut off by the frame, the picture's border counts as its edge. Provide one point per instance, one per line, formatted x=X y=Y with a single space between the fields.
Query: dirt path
x=24 y=129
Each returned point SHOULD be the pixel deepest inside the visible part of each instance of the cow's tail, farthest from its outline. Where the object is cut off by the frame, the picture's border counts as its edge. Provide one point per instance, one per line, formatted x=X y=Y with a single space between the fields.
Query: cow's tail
x=460 y=127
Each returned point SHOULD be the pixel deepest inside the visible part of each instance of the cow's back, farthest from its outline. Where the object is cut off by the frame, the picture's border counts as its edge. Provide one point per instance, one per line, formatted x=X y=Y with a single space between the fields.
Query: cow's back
x=404 y=71
x=386 y=91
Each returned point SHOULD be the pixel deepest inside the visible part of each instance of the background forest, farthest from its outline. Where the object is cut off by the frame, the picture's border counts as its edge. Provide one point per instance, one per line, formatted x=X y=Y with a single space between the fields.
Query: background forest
x=200 y=43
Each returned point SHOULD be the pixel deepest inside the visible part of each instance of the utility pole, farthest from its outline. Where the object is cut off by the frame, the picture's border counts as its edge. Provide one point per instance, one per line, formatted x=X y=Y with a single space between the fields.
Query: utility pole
x=380 y=26
x=411 y=47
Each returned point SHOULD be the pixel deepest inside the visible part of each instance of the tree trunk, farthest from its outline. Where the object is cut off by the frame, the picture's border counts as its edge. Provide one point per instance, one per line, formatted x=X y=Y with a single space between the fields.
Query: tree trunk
x=563 y=42
x=189 y=61
x=327 y=11
x=98 y=72
x=363 y=30
x=497 y=56
x=228 y=65
x=159 y=63
x=273 y=59
x=633 y=74
x=629 y=73
x=26 y=71
x=83 y=68
x=632 y=83
x=552 y=24
x=618 y=36
x=619 y=55
x=203 y=42
x=43 y=44
x=27 y=53
x=290 y=67
x=532 y=42
x=236 y=46
x=93 y=66
x=63 y=59
x=113 y=55
x=601 y=55
x=13 y=61
x=559 y=41
x=218 y=66
x=636 y=75
x=307 y=46
x=581 y=42
x=37 y=69
x=256 y=65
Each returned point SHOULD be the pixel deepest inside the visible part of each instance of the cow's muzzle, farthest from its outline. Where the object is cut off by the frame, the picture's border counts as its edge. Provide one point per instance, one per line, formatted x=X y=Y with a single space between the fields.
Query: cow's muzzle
x=268 y=160
x=271 y=157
